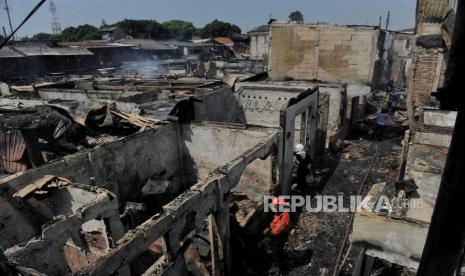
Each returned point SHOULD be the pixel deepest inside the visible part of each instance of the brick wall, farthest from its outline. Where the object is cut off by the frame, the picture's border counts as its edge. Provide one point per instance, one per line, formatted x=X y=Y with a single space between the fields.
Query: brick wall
x=425 y=76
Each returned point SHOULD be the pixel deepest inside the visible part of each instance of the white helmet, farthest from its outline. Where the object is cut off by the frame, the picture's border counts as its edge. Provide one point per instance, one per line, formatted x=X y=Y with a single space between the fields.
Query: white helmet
x=299 y=148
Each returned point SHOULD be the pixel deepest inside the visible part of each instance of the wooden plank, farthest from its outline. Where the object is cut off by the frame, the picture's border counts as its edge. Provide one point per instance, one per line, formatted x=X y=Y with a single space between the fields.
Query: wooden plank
x=368 y=205
x=37 y=185
x=212 y=232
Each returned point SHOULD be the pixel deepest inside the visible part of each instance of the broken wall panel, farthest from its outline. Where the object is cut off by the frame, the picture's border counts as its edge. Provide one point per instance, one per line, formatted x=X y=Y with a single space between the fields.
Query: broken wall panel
x=400 y=238
x=393 y=235
x=197 y=203
x=121 y=167
x=293 y=109
x=83 y=95
x=218 y=106
x=337 y=118
x=256 y=181
x=426 y=158
x=399 y=58
x=430 y=13
x=78 y=213
x=390 y=235
x=262 y=103
x=144 y=85
x=323 y=51
x=213 y=102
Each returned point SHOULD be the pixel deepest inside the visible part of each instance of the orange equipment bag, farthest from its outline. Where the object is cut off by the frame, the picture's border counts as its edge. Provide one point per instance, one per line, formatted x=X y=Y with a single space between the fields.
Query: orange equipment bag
x=280 y=223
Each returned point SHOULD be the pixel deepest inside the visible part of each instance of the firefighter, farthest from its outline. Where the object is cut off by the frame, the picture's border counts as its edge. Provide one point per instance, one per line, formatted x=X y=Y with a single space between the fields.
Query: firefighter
x=278 y=232
x=303 y=174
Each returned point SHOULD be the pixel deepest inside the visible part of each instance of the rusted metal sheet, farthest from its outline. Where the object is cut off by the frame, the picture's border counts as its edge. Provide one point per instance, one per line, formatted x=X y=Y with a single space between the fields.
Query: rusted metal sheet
x=12 y=149
x=223 y=41
x=230 y=80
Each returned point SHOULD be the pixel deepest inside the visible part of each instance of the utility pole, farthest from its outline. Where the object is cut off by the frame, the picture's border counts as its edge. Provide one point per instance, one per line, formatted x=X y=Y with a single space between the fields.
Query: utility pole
x=30 y=14
x=380 y=22
x=7 y=9
x=388 y=19
x=4 y=32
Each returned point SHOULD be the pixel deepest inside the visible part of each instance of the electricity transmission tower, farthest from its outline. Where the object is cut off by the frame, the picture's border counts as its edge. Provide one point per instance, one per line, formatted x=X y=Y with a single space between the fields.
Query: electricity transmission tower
x=56 y=28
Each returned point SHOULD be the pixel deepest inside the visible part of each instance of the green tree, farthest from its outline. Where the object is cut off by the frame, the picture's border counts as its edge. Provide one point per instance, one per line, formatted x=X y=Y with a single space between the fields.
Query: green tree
x=219 y=28
x=179 y=29
x=68 y=34
x=87 y=32
x=296 y=16
x=143 y=29
x=80 y=33
x=41 y=37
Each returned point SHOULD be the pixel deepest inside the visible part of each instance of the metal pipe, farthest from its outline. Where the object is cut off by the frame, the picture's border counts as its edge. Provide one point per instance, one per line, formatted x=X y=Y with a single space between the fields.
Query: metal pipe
x=446 y=236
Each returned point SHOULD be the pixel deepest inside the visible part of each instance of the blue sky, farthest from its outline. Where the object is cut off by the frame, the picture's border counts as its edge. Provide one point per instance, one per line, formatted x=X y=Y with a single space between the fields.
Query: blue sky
x=244 y=13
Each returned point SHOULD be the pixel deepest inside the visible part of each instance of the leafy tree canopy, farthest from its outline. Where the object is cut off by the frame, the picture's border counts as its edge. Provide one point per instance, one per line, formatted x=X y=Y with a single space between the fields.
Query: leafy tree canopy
x=296 y=16
x=179 y=29
x=41 y=37
x=219 y=28
x=143 y=29
x=79 y=33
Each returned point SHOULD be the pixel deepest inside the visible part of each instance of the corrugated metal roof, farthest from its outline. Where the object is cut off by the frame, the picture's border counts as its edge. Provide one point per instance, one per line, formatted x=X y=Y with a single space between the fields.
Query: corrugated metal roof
x=55 y=51
x=239 y=37
x=187 y=44
x=12 y=149
x=147 y=44
x=12 y=145
x=223 y=41
x=93 y=44
x=200 y=40
x=260 y=29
